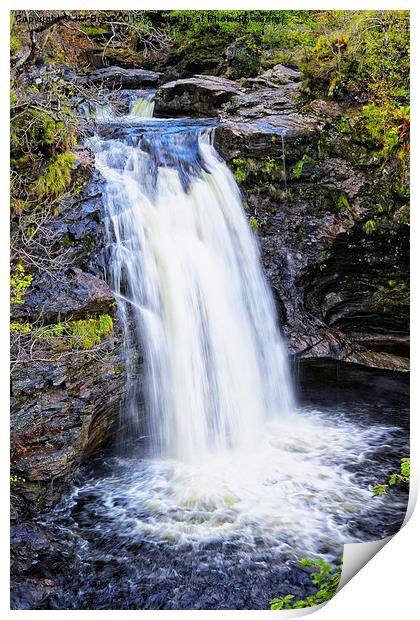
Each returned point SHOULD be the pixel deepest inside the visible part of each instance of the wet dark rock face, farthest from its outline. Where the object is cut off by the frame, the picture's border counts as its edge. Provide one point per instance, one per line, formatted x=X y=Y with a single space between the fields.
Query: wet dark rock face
x=309 y=191
x=64 y=401
x=62 y=409
x=328 y=382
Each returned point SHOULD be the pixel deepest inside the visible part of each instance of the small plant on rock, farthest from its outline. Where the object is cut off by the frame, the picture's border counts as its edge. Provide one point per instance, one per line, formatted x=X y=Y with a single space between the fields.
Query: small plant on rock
x=324 y=576
x=403 y=477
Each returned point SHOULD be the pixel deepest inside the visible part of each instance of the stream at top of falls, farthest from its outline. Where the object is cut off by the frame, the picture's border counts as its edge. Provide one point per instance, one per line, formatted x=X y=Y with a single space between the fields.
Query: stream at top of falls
x=226 y=482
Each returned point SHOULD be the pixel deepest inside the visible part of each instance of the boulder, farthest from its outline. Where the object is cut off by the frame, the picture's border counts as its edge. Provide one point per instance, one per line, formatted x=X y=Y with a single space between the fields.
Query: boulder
x=199 y=95
x=263 y=102
x=277 y=76
x=265 y=136
x=117 y=77
x=69 y=296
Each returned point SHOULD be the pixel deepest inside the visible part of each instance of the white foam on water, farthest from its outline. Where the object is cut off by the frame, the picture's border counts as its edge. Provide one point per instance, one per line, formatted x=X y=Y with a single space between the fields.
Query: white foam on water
x=292 y=490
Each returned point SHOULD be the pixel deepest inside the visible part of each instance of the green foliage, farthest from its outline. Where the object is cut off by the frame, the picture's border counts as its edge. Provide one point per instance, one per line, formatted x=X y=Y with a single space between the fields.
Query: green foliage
x=254 y=223
x=202 y=37
x=83 y=334
x=386 y=125
x=379 y=489
x=401 y=477
x=15 y=479
x=44 y=126
x=37 y=130
x=19 y=283
x=343 y=203
x=365 y=55
x=404 y=471
x=15 y=42
x=324 y=576
x=93 y=31
x=391 y=296
x=352 y=57
x=56 y=179
x=296 y=32
x=19 y=329
x=359 y=51
x=228 y=25
x=369 y=227
x=266 y=169
x=297 y=169
x=241 y=168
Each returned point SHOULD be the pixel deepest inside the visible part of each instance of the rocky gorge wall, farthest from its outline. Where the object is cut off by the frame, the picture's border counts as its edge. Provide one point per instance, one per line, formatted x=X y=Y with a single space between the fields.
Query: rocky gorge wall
x=66 y=392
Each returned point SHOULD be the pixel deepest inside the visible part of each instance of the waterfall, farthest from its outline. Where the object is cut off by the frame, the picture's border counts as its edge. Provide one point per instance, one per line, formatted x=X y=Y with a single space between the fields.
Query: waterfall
x=135 y=103
x=142 y=104
x=185 y=266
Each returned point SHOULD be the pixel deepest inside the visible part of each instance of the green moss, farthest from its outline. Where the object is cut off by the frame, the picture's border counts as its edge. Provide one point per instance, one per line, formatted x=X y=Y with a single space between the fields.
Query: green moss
x=403 y=216
x=343 y=124
x=297 y=169
x=370 y=226
x=44 y=126
x=392 y=296
x=19 y=284
x=15 y=42
x=83 y=334
x=241 y=169
x=271 y=166
x=56 y=180
x=16 y=479
x=93 y=31
x=20 y=328
x=343 y=203
x=266 y=169
x=68 y=241
x=254 y=223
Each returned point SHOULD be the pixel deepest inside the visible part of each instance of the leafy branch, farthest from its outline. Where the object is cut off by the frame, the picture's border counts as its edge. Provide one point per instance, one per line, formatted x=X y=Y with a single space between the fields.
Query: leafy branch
x=324 y=576
x=403 y=477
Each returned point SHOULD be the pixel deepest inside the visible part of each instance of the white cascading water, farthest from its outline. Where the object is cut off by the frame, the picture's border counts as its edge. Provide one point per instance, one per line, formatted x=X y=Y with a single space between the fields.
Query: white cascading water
x=216 y=365
x=231 y=456
x=140 y=104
